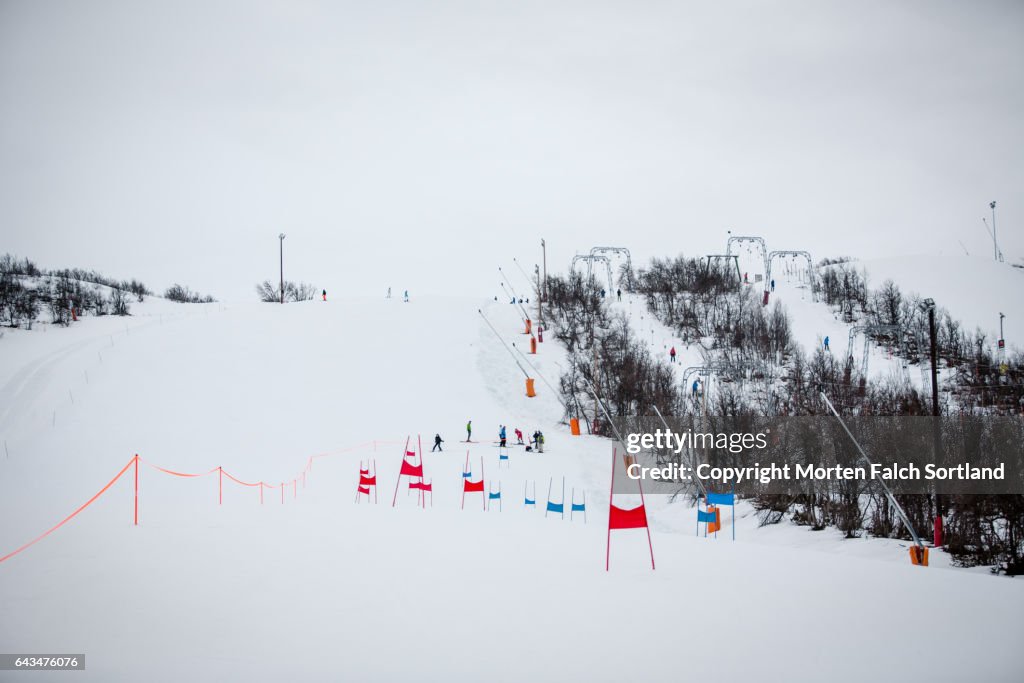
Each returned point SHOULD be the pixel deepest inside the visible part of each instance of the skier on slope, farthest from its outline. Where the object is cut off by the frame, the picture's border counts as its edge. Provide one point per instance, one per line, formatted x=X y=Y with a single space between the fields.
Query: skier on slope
x=519 y=437
x=696 y=386
x=469 y=431
x=672 y=354
x=773 y=284
x=406 y=296
x=826 y=342
x=618 y=293
x=502 y=442
x=540 y=441
x=325 y=295
x=437 y=443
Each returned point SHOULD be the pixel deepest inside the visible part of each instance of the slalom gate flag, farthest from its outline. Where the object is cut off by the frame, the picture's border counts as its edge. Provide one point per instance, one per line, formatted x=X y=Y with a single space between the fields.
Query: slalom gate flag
x=472 y=486
x=411 y=470
x=578 y=507
x=494 y=495
x=555 y=507
x=623 y=518
x=619 y=518
x=708 y=517
x=721 y=499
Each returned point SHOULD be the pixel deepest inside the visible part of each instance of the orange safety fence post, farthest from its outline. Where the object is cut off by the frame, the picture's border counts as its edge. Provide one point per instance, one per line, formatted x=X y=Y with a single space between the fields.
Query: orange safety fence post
x=574 y=426
x=918 y=556
x=529 y=326
x=533 y=344
x=530 y=392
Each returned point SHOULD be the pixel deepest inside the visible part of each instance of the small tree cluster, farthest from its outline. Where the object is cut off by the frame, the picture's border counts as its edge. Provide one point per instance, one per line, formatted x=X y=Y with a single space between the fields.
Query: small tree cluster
x=184 y=295
x=293 y=291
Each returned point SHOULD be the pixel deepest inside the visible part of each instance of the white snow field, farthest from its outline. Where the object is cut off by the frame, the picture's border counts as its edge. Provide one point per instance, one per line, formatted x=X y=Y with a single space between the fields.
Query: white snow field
x=318 y=588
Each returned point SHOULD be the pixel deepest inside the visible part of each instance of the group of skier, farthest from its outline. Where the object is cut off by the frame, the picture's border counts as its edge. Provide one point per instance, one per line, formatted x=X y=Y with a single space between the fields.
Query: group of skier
x=536 y=442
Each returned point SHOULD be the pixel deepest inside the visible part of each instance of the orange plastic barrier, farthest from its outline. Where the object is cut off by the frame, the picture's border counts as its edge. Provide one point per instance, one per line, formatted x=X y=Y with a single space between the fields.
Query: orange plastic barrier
x=918 y=556
x=530 y=391
x=533 y=344
x=574 y=426
x=529 y=326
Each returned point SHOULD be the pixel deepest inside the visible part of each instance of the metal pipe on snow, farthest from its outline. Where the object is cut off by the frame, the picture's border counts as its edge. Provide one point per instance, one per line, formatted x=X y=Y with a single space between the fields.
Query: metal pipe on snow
x=514 y=359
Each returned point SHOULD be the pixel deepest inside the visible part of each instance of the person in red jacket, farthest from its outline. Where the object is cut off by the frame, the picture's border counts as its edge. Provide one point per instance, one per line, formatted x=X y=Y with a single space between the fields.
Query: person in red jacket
x=672 y=354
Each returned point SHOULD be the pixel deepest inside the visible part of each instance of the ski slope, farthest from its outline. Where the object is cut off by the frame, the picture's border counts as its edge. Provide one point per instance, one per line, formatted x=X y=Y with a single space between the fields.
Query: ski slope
x=319 y=588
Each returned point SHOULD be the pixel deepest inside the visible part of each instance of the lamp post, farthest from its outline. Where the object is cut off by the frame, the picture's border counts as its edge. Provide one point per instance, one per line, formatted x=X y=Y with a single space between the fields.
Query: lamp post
x=995 y=242
x=1002 y=340
x=929 y=305
x=544 y=249
x=281 y=239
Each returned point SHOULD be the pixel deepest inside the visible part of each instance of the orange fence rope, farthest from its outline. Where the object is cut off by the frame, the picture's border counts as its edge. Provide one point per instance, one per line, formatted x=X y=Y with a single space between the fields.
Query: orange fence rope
x=72 y=515
x=135 y=459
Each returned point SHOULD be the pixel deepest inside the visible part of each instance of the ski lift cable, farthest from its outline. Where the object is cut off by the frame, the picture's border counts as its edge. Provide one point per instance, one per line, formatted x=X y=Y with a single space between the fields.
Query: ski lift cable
x=888 y=493
x=693 y=458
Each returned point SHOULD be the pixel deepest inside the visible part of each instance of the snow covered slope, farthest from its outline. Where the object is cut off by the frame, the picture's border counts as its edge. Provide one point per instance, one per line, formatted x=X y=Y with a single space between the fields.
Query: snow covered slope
x=319 y=588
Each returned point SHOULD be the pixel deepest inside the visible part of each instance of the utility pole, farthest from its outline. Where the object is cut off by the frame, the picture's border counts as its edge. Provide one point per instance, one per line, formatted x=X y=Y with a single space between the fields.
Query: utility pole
x=540 y=311
x=929 y=305
x=281 y=238
x=544 y=248
x=995 y=242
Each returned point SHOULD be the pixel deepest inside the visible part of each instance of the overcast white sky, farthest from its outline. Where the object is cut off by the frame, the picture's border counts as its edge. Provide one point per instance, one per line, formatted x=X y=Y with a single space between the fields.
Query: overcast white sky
x=422 y=144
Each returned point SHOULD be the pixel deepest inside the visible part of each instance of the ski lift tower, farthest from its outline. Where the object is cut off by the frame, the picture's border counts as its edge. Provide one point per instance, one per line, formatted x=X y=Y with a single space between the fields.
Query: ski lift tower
x=621 y=251
x=756 y=243
x=793 y=254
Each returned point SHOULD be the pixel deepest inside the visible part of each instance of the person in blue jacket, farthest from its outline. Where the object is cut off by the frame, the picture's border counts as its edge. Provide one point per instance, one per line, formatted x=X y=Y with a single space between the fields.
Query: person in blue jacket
x=826 y=343
x=501 y=436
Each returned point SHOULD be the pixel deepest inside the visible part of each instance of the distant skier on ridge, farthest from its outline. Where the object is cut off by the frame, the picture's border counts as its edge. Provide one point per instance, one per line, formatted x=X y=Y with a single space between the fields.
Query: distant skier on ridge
x=437 y=443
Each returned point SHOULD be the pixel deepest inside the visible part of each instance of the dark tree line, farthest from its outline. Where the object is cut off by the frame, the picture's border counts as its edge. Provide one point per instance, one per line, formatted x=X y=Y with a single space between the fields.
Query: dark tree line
x=760 y=372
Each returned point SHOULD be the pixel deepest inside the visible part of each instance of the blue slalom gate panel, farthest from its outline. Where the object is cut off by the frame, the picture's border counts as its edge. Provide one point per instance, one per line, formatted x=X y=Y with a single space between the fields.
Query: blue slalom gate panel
x=530 y=502
x=721 y=499
x=467 y=475
x=579 y=507
x=555 y=507
x=503 y=457
x=707 y=517
x=494 y=496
